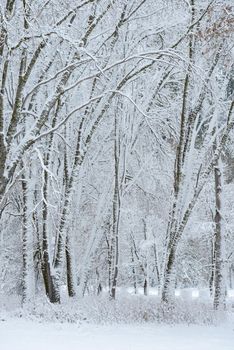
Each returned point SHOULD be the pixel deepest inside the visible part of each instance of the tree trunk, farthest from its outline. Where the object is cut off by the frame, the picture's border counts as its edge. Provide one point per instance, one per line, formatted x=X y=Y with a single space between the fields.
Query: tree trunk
x=71 y=283
x=28 y=249
x=219 y=263
x=211 y=280
x=134 y=272
x=50 y=289
x=46 y=265
x=168 y=285
x=116 y=215
x=146 y=264
x=146 y=290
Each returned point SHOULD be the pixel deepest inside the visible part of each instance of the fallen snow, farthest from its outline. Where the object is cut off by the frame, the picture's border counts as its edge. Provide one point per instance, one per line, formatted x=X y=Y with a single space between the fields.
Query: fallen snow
x=19 y=334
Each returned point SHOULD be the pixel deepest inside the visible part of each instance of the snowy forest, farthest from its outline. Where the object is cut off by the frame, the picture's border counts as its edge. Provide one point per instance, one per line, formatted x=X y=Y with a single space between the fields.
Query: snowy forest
x=117 y=157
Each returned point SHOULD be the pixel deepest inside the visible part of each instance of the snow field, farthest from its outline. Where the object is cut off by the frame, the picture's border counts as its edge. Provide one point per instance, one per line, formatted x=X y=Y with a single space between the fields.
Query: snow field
x=16 y=334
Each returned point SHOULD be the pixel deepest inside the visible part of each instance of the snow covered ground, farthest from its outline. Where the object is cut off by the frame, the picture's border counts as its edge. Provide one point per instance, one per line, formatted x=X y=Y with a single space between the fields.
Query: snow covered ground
x=191 y=325
x=18 y=334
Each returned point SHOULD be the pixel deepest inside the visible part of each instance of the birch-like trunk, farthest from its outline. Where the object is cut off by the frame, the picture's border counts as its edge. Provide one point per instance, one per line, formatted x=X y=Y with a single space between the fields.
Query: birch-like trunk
x=116 y=214
x=219 y=243
x=27 y=245
x=146 y=263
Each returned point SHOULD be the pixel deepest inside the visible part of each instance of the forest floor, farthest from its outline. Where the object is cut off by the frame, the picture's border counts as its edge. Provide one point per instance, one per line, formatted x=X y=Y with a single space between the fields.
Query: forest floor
x=20 y=334
x=132 y=322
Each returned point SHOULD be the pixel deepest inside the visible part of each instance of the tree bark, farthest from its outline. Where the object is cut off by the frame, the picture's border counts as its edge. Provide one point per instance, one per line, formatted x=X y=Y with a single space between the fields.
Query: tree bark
x=27 y=246
x=71 y=282
x=168 y=287
x=219 y=244
x=116 y=214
